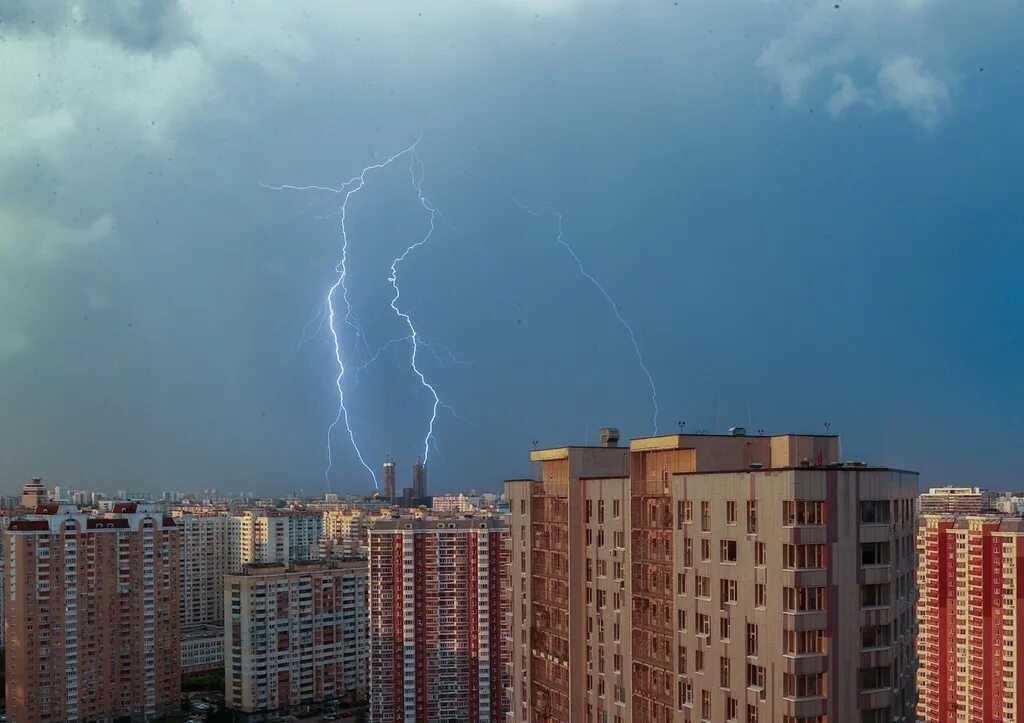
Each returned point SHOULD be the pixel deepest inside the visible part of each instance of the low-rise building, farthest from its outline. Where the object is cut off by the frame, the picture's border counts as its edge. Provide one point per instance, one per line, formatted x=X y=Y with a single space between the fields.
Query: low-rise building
x=202 y=649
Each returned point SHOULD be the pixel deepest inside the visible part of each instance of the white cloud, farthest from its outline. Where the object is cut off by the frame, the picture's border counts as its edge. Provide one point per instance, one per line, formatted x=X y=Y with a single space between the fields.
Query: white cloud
x=826 y=44
x=905 y=84
x=847 y=95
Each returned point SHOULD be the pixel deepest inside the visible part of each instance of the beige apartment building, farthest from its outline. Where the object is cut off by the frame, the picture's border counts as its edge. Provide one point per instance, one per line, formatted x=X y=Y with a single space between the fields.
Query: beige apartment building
x=93 y=629
x=295 y=635
x=205 y=550
x=951 y=500
x=712 y=578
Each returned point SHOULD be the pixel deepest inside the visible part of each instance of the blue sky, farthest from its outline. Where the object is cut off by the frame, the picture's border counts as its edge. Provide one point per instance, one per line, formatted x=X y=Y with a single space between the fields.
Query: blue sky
x=806 y=212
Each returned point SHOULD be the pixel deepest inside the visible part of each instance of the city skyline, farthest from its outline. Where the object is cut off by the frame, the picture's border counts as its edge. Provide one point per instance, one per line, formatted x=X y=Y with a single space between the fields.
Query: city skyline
x=789 y=233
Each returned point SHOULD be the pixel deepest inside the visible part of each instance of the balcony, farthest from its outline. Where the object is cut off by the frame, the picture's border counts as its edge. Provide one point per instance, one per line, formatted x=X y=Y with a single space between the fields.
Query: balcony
x=804 y=707
x=804 y=663
x=808 y=620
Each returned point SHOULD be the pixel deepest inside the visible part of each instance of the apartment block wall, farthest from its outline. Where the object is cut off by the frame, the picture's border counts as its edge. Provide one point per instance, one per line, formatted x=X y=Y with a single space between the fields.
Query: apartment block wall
x=438 y=620
x=746 y=585
x=295 y=635
x=971 y=609
x=92 y=617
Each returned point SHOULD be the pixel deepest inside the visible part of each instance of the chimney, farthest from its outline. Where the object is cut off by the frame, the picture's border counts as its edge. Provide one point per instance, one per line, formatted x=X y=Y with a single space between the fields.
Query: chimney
x=609 y=437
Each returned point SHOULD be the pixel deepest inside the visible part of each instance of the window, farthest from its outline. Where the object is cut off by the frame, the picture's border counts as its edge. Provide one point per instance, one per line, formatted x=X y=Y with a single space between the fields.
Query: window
x=686 y=693
x=705 y=516
x=874 y=553
x=800 y=512
x=751 y=713
x=731 y=709
x=682 y=660
x=703 y=587
x=698 y=661
x=804 y=556
x=590 y=509
x=803 y=642
x=875 y=595
x=875 y=512
x=752 y=641
x=800 y=599
x=801 y=686
x=725 y=629
x=760 y=554
x=705 y=550
x=615 y=509
x=730 y=512
x=705 y=705
x=728 y=591
x=875 y=678
x=688 y=552
x=600 y=511
x=756 y=678
x=760 y=595
x=876 y=636
x=680 y=583
x=727 y=552
x=703 y=623
x=751 y=517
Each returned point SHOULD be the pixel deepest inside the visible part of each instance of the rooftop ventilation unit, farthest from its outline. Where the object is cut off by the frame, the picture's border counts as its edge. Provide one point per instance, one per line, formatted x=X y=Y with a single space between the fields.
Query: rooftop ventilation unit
x=609 y=437
x=738 y=431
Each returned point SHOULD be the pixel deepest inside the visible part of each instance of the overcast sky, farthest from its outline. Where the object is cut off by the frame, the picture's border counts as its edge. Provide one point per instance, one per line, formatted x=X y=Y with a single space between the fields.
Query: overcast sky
x=808 y=211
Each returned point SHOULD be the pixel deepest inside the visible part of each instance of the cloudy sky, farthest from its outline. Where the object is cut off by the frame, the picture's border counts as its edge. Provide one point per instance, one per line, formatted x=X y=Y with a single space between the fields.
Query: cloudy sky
x=808 y=211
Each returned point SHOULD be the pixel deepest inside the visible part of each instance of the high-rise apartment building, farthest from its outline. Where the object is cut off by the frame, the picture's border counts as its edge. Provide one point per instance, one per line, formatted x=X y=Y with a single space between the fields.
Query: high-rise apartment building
x=205 y=549
x=274 y=536
x=295 y=635
x=93 y=628
x=951 y=500
x=970 y=612
x=438 y=620
x=33 y=494
x=717 y=578
x=345 y=533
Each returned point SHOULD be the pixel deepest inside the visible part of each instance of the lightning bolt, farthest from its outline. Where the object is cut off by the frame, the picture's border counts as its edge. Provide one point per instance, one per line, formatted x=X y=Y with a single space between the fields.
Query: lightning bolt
x=349 y=319
x=417 y=183
x=560 y=239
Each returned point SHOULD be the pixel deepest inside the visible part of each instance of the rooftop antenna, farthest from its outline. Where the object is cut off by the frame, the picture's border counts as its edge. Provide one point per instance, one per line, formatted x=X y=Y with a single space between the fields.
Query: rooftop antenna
x=828 y=426
x=681 y=424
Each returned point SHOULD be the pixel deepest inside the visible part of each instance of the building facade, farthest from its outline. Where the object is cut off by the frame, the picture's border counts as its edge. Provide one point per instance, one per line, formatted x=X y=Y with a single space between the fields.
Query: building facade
x=438 y=620
x=951 y=500
x=92 y=619
x=717 y=578
x=202 y=648
x=205 y=550
x=295 y=635
x=971 y=608
x=345 y=533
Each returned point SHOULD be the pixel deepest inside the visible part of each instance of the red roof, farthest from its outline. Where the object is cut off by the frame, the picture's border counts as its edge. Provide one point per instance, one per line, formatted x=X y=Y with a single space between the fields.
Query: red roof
x=49 y=508
x=27 y=525
x=125 y=507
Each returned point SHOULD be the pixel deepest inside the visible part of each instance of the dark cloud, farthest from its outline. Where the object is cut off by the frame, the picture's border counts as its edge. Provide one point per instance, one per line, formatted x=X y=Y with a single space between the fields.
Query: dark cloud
x=141 y=25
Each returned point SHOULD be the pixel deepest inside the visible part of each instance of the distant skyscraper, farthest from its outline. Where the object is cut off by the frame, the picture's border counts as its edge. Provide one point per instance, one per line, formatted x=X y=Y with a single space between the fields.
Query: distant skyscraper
x=438 y=620
x=93 y=631
x=716 y=578
x=419 y=480
x=295 y=635
x=389 y=480
x=971 y=615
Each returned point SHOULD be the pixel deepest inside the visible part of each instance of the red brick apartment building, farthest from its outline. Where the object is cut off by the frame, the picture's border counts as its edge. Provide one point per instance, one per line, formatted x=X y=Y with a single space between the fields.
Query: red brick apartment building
x=93 y=628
